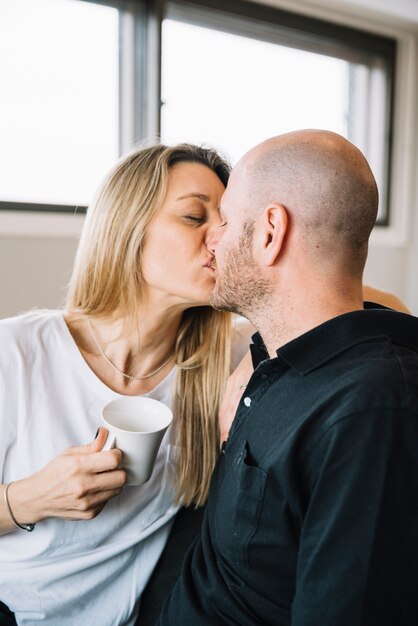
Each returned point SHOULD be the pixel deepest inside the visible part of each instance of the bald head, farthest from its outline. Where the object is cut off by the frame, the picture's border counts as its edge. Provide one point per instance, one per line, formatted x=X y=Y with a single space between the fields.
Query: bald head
x=325 y=184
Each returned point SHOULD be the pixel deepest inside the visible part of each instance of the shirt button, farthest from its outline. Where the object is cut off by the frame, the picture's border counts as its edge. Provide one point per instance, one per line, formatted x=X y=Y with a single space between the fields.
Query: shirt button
x=263 y=376
x=247 y=401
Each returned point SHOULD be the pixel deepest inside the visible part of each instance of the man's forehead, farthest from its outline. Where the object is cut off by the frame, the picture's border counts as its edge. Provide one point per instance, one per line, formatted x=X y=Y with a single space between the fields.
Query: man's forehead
x=230 y=202
x=244 y=164
x=237 y=192
x=234 y=200
x=238 y=176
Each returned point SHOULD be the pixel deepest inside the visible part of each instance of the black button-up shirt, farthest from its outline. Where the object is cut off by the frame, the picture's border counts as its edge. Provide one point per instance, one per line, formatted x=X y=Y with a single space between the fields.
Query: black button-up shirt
x=312 y=518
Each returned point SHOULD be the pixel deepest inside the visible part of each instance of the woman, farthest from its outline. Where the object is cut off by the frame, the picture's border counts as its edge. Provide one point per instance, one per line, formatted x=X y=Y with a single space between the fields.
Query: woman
x=136 y=322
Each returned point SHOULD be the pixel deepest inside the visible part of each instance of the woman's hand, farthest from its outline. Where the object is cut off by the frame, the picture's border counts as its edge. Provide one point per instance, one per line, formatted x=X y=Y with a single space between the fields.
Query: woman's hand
x=75 y=485
x=234 y=389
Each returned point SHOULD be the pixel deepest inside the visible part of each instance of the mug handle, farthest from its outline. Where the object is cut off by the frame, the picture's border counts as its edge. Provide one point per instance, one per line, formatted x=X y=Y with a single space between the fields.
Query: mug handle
x=110 y=442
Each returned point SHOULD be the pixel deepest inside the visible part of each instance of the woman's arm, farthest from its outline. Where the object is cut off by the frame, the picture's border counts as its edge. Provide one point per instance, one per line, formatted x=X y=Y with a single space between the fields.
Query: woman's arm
x=382 y=297
x=75 y=485
x=234 y=389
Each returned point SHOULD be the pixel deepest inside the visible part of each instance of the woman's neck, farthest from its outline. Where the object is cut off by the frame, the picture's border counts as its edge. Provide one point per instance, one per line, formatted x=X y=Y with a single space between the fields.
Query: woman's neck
x=138 y=347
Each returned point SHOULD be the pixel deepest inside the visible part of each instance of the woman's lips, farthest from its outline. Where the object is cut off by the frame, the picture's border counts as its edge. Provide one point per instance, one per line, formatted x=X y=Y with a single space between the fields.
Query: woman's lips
x=210 y=264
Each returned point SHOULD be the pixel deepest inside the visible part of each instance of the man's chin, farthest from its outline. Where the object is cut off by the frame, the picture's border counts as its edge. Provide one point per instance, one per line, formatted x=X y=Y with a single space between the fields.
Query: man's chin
x=215 y=301
x=220 y=303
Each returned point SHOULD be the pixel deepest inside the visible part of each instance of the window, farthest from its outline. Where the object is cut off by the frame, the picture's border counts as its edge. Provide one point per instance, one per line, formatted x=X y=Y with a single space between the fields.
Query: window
x=245 y=90
x=84 y=80
x=237 y=75
x=59 y=111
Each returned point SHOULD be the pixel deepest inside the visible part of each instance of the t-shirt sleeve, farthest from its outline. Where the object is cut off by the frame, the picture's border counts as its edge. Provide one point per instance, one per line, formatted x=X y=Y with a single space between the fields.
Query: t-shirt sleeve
x=358 y=553
x=243 y=330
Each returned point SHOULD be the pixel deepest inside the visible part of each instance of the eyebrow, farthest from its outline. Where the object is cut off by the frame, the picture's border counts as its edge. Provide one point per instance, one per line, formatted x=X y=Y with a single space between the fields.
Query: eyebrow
x=200 y=196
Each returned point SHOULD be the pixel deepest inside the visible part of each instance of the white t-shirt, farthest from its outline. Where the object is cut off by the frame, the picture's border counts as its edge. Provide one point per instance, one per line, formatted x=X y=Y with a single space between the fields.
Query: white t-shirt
x=75 y=572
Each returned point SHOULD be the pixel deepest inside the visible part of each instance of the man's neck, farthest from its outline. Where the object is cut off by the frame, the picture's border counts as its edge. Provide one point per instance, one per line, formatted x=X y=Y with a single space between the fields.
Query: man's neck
x=283 y=319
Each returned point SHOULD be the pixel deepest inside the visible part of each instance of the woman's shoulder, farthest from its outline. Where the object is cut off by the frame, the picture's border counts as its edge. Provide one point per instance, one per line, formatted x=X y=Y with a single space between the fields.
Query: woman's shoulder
x=242 y=327
x=383 y=297
x=243 y=330
x=26 y=326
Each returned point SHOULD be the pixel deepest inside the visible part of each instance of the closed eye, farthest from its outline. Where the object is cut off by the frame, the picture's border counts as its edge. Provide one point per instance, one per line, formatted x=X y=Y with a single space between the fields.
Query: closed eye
x=197 y=219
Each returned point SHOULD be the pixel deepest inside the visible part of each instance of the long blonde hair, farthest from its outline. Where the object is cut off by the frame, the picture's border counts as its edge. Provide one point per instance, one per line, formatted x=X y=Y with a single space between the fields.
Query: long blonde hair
x=107 y=279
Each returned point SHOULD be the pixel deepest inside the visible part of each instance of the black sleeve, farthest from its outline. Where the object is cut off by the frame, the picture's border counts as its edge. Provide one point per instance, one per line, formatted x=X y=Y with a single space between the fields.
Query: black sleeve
x=6 y=617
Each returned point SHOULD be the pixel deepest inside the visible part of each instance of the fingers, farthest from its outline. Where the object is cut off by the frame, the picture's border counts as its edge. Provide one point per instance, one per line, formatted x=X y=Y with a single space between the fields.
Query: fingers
x=94 y=464
x=78 y=482
x=94 y=446
x=108 y=481
x=84 y=493
x=90 y=506
x=102 y=497
x=89 y=458
x=84 y=489
x=102 y=461
x=100 y=439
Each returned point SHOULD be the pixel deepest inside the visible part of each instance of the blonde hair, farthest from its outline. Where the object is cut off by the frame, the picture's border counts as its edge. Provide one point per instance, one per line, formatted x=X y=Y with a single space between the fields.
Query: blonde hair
x=107 y=279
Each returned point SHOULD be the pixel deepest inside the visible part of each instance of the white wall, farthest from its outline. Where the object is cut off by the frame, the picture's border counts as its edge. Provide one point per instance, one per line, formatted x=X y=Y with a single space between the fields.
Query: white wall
x=33 y=272
x=393 y=254
x=36 y=251
x=36 y=257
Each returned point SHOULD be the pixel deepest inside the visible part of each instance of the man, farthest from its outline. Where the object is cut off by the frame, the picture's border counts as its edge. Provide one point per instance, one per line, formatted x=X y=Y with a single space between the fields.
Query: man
x=312 y=518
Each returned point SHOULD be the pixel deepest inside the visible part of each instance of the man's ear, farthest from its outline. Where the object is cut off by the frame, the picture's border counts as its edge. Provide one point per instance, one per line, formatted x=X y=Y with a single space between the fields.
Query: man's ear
x=273 y=227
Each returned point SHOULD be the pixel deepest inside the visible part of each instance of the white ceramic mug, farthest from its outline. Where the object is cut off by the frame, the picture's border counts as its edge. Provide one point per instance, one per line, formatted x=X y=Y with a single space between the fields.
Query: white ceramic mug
x=136 y=426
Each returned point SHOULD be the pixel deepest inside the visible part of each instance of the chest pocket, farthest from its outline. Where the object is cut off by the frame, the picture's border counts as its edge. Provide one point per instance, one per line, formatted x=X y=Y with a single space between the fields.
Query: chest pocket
x=240 y=502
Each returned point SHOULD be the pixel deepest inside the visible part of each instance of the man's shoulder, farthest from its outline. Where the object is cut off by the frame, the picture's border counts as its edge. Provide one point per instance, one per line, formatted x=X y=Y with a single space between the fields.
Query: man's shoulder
x=375 y=375
x=368 y=379
x=380 y=360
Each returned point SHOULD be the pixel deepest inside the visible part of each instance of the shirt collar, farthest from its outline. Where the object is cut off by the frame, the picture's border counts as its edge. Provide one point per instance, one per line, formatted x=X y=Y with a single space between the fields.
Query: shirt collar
x=321 y=344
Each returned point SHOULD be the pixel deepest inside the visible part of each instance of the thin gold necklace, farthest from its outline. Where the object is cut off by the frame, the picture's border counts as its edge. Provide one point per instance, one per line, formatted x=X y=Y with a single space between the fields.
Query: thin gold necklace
x=106 y=358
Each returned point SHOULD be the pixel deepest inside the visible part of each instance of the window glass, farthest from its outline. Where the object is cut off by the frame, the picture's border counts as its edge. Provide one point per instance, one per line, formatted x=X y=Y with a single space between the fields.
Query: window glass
x=234 y=91
x=59 y=103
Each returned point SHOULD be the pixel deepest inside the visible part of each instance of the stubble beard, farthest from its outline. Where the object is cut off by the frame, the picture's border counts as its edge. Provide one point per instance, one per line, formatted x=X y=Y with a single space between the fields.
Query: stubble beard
x=239 y=288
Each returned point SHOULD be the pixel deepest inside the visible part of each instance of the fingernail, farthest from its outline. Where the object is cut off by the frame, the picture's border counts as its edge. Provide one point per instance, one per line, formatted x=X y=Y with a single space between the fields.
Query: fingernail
x=98 y=430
